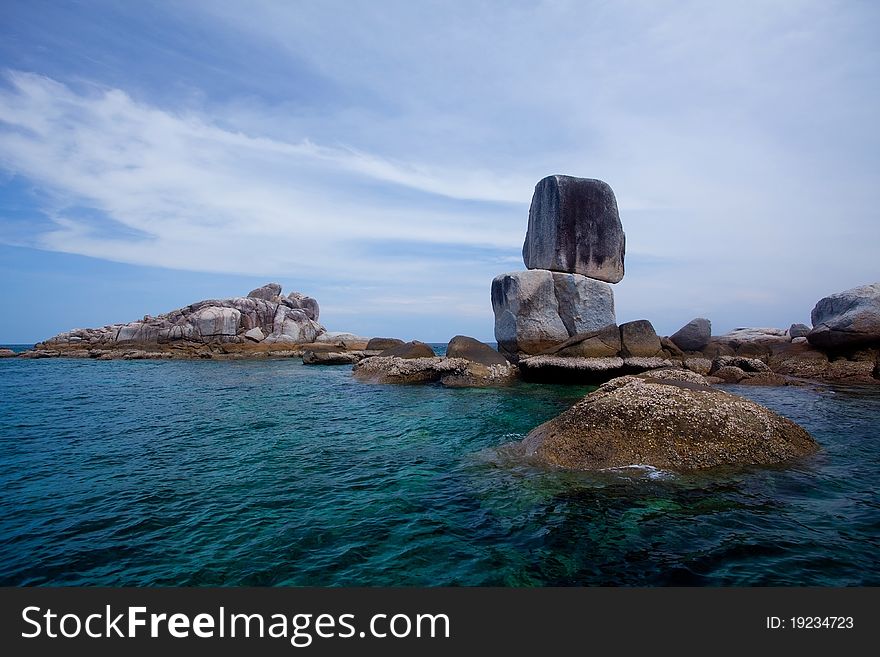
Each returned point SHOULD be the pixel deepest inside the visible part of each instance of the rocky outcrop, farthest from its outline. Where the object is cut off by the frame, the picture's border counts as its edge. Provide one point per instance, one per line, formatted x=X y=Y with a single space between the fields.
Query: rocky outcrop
x=6 y=353
x=574 y=227
x=639 y=338
x=847 y=319
x=537 y=310
x=694 y=335
x=665 y=423
x=264 y=317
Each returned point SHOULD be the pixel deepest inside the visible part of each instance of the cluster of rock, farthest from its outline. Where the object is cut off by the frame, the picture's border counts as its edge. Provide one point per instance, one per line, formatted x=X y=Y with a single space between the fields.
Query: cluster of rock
x=467 y=363
x=265 y=319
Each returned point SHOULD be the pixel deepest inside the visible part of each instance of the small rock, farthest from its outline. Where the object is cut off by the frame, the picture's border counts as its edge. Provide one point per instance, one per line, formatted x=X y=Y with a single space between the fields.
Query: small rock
x=798 y=331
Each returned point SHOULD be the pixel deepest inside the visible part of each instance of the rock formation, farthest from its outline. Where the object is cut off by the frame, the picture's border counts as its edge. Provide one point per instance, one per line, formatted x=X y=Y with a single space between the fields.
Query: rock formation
x=264 y=317
x=847 y=319
x=574 y=247
x=665 y=422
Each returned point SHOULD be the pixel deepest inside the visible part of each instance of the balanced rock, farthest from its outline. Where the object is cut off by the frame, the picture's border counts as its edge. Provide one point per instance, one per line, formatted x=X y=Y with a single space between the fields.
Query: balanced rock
x=414 y=349
x=574 y=227
x=538 y=309
x=474 y=351
x=694 y=335
x=639 y=338
x=847 y=319
x=665 y=423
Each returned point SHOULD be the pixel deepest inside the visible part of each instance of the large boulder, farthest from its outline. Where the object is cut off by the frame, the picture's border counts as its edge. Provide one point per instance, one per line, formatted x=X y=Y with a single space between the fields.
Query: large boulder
x=268 y=292
x=539 y=309
x=847 y=319
x=665 y=423
x=574 y=227
x=639 y=338
x=474 y=351
x=694 y=335
x=413 y=349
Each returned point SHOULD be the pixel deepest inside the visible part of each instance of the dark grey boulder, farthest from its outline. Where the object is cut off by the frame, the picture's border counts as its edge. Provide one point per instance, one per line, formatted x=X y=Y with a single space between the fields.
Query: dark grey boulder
x=574 y=227
x=639 y=338
x=798 y=331
x=847 y=319
x=381 y=344
x=414 y=349
x=474 y=351
x=267 y=292
x=694 y=335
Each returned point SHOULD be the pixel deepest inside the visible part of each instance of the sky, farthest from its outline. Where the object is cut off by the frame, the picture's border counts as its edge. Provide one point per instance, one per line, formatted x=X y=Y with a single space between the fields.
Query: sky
x=381 y=156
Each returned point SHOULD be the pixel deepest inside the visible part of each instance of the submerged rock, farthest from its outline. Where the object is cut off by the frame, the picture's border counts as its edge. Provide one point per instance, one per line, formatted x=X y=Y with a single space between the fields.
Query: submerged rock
x=574 y=227
x=847 y=319
x=665 y=423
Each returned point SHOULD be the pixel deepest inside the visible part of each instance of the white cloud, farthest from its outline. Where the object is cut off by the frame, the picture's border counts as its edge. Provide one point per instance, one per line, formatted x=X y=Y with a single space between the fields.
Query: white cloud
x=740 y=141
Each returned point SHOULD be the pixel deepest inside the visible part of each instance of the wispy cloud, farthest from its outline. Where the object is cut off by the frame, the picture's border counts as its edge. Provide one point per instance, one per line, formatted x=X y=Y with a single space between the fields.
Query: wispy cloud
x=390 y=154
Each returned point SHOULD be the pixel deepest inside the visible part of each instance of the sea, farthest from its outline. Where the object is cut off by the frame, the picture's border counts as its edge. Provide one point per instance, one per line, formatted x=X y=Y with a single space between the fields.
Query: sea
x=272 y=473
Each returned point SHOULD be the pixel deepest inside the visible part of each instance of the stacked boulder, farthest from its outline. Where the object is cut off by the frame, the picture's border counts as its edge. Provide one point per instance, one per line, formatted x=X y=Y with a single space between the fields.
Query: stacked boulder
x=562 y=306
x=574 y=248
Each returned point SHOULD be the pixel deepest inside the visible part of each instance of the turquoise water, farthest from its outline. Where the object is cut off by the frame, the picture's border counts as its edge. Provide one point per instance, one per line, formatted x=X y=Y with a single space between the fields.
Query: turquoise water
x=272 y=473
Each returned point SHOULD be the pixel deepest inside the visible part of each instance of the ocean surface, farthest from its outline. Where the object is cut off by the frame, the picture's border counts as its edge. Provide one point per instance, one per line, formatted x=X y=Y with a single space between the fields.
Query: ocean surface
x=274 y=473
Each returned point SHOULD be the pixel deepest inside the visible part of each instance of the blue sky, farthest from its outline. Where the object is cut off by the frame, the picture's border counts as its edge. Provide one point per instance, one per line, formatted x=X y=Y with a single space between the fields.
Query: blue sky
x=380 y=156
